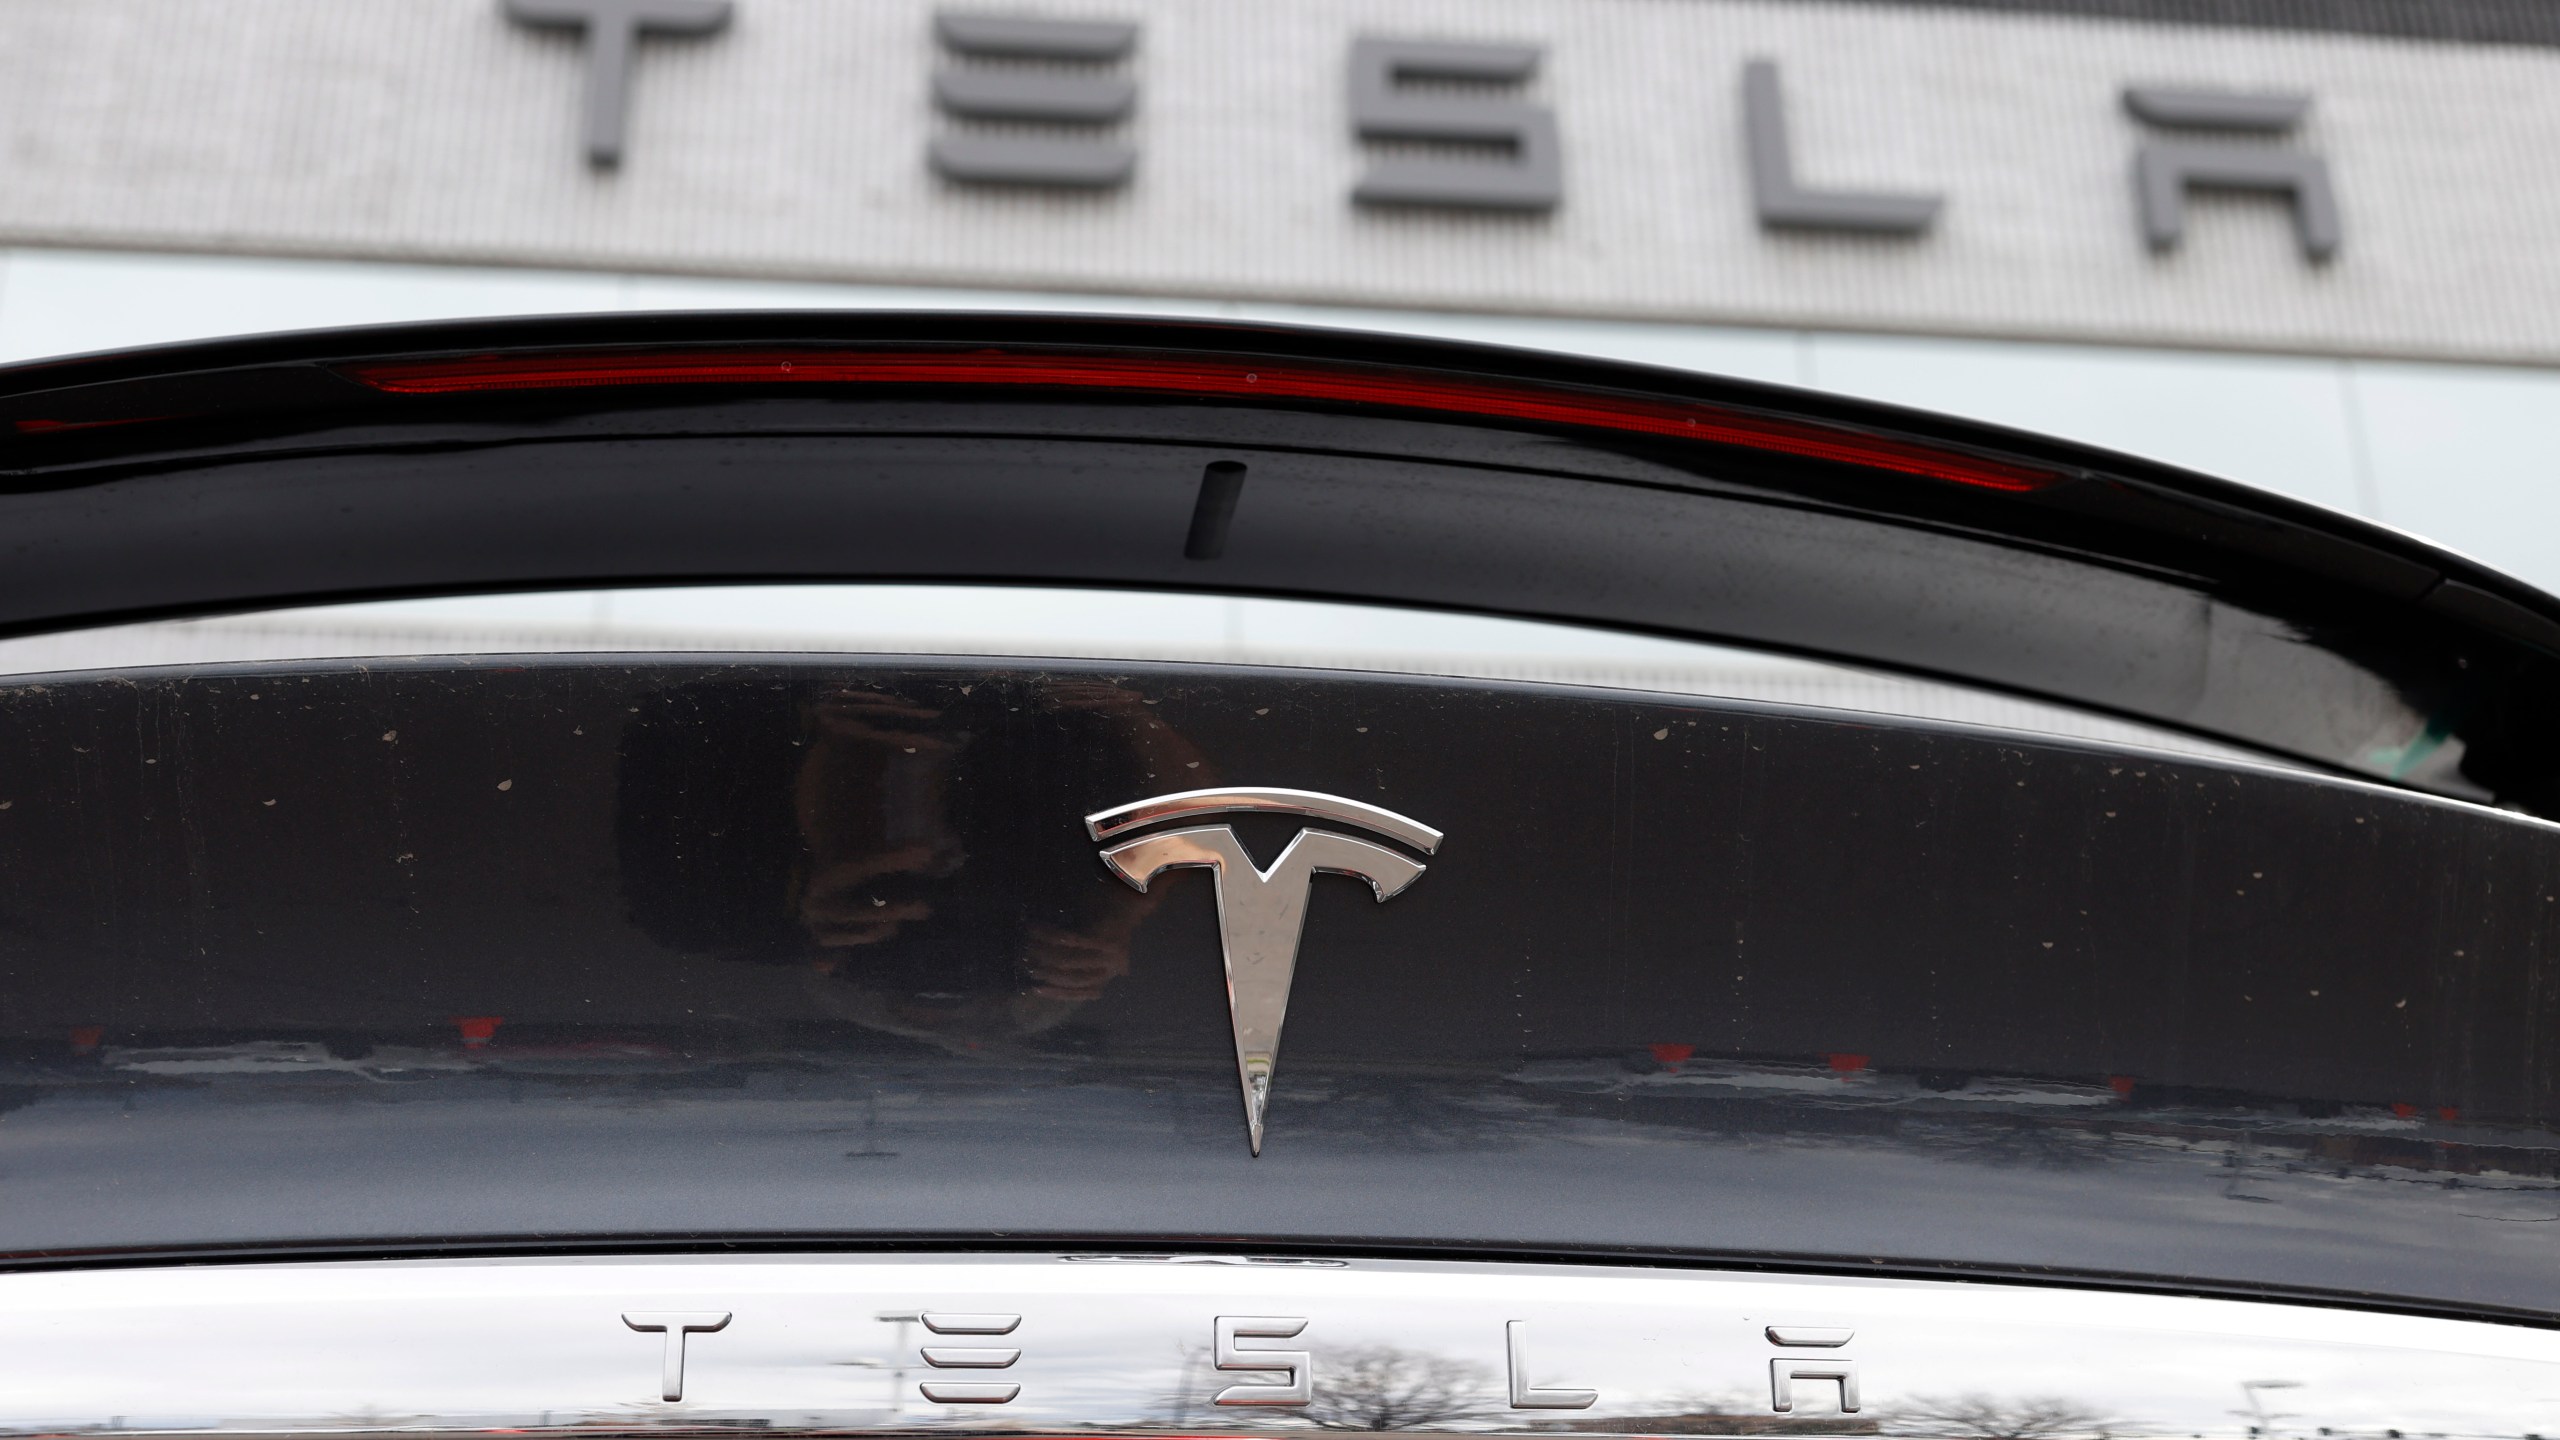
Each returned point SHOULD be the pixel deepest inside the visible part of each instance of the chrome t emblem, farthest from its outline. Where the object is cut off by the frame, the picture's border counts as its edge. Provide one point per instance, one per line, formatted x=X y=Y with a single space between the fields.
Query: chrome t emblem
x=1261 y=912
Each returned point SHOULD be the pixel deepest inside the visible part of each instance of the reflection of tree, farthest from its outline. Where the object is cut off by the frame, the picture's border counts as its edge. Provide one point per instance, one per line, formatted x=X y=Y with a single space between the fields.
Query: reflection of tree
x=1988 y=1417
x=1380 y=1387
x=1731 y=1413
x=1181 y=1405
x=1728 y=1401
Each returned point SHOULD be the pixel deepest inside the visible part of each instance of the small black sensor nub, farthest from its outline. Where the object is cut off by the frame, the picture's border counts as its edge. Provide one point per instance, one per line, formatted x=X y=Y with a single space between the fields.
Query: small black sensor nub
x=1220 y=483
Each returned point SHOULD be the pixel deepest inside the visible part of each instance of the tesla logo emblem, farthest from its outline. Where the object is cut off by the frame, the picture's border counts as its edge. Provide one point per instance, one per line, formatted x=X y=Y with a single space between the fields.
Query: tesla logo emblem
x=1260 y=912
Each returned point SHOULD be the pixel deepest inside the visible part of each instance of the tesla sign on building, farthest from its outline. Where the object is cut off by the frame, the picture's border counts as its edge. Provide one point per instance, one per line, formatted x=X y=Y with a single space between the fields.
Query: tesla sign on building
x=1518 y=164
x=2381 y=187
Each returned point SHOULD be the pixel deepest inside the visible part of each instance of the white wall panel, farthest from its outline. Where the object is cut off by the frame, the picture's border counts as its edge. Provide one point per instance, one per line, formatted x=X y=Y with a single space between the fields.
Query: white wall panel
x=793 y=147
x=2278 y=422
x=2469 y=457
x=65 y=302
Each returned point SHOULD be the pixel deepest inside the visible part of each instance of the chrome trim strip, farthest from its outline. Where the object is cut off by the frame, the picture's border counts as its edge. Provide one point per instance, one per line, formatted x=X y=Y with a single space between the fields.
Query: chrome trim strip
x=1267 y=800
x=845 y=1345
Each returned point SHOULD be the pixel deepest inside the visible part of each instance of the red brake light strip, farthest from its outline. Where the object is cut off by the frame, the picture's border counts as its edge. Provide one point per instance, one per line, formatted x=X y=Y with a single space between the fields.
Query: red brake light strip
x=1200 y=376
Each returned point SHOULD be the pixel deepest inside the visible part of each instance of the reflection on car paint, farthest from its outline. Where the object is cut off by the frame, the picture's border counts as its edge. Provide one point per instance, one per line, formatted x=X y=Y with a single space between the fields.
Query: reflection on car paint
x=807 y=948
x=1028 y=1344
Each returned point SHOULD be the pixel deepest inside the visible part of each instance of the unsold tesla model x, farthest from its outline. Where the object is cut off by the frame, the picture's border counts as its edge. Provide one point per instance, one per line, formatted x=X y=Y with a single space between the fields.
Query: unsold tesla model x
x=854 y=1043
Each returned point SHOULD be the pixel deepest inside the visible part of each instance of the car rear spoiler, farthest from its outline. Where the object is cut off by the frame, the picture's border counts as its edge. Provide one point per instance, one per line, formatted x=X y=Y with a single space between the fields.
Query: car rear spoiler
x=986 y=448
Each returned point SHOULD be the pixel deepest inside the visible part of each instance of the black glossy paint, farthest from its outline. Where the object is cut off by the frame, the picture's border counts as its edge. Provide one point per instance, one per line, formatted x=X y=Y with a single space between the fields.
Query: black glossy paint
x=553 y=951
x=252 y=472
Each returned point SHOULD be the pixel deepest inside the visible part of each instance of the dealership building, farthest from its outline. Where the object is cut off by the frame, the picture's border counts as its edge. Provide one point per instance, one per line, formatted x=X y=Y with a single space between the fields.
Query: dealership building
x=2309 y=245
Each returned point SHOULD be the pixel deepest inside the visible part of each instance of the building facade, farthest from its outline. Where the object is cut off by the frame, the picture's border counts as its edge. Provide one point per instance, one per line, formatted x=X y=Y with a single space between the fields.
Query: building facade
x=2305 y=244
